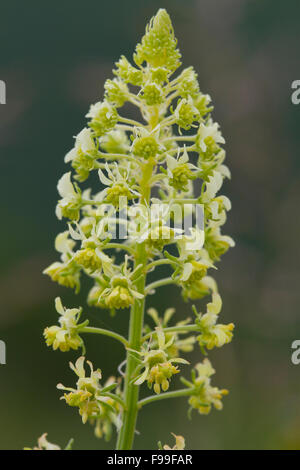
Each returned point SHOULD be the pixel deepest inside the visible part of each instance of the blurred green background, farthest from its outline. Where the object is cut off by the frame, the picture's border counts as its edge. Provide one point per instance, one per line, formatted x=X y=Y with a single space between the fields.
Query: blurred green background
x=55 y=57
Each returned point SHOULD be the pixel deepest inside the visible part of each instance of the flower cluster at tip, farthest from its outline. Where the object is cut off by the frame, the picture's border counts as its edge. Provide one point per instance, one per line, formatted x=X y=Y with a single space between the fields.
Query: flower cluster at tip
x=147 y=168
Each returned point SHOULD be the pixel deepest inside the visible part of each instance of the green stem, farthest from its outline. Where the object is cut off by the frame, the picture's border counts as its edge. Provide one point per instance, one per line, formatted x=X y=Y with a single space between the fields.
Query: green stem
x=101 y=331
x=189 y=138
x=159 y=262
x=116 y=156
x=185 y=201
x=124 y=127
x=119 y=246
x=131 y=391
x=114 y=397
x=131 y=122
x=174 y=329
x=159 y=283
x=164 y=396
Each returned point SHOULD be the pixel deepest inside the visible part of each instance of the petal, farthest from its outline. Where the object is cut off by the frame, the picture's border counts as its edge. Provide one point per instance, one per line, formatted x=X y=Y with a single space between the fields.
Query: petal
x=58 y=212
x=210 y=283
x=224 y=170
x=185 y=157
x=59 y=306
x=216 y=305
x=74 y=234
x=228 y=240
x=70 y=155
x=142 y=377
x=170 y=342
x=136 y=294
x=214 y=184
x=214 y=207
x=64 y=186
x=104 y=180
x=178 y=360
x=187 y=271
x=160 y=337
x=226 y=202
x=85 y=140
x=171 y=162
x=62 y=242
x=79 y=367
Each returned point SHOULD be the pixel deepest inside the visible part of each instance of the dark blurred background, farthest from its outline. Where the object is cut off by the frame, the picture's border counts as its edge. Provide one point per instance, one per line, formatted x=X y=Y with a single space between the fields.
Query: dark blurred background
x=54 y=59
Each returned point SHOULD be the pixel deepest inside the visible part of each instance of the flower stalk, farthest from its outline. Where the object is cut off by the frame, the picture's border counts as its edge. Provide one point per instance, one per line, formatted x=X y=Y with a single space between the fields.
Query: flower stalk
x=131 y=391
x=147 y=168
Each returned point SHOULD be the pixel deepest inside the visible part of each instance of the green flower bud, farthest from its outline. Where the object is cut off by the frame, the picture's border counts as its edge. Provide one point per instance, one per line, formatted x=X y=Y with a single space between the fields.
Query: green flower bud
x=114 y=193
x=158 y=368
x=103 y=116
x=160 y=375
x=202 y=103
x=197 y=290
x=128 y=73
x=194 y=271
x=188 y=84
x=217 y=244
x=159 y=75
x=87 y=396
x=65 y=336
x=205 y=396
x=145 y=147
x=77 y=398
x=158 y=46
x=82 y=155
x=70 y=211
x=94 y=297
x=186 y=113
x=159 y=237
x=215 y=336
x=116 y=92
x=115 y=142
x=65 y=275
x=152 y=94
x=83 y=164
x=88 y=259
x=70 y=204
x=119 y=298
x=88 y=410
x=61 y=339
x=181 y=175
x=208 y=138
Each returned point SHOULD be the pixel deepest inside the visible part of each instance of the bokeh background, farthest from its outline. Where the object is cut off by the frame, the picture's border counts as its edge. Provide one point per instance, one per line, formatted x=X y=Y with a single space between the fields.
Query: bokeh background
x=54 y=58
